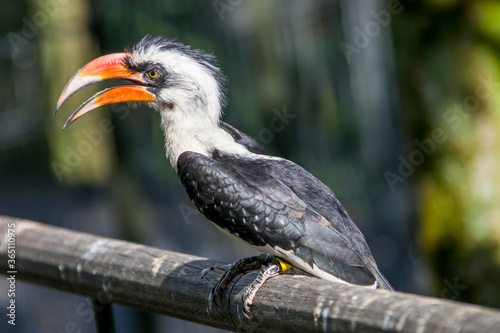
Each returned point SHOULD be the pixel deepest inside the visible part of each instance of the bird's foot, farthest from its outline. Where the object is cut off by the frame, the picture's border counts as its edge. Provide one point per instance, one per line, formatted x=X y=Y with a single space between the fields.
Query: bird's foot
x=264 y=274
x=269 y=266
x=239 y=266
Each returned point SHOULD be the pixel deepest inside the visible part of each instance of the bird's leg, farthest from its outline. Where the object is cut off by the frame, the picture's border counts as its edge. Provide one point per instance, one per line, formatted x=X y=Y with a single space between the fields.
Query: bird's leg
x=239 y=266
x=275 y=267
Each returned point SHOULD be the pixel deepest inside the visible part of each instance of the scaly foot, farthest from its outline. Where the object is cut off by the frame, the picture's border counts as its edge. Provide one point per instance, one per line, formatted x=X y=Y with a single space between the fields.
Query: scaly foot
x=269 y=266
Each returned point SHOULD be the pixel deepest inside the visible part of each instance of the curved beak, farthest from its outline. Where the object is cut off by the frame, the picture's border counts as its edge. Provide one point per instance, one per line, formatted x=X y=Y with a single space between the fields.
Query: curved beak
x=110 y=66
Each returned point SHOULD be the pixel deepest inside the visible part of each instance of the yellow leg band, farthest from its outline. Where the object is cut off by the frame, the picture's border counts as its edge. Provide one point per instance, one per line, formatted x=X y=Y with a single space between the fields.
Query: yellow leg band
x=284 y=266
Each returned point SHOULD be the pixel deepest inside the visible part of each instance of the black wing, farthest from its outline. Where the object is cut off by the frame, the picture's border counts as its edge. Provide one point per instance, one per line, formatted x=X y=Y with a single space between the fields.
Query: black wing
x=277 y=203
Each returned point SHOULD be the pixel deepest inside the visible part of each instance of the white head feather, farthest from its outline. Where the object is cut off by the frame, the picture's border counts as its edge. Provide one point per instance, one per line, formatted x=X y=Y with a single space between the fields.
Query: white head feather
x=191 y=100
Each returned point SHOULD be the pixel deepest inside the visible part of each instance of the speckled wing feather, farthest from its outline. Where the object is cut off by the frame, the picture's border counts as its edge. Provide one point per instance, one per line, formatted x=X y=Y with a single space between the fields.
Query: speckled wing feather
x=265 y=202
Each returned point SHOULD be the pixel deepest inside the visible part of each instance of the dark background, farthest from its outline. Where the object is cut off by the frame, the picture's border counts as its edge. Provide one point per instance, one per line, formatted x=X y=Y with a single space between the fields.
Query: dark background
x=394 y=105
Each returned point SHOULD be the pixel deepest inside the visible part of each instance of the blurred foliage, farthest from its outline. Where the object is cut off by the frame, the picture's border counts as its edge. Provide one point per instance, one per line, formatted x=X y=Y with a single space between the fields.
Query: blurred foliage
x=75 y=146
x=446 y=52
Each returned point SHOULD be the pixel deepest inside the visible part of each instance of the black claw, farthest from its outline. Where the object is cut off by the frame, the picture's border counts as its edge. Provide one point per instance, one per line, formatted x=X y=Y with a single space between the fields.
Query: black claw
x=246 y=310
x=216 y=296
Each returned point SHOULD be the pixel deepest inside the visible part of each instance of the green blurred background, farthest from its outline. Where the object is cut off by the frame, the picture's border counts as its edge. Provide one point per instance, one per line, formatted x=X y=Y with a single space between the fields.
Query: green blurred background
x=393 y=104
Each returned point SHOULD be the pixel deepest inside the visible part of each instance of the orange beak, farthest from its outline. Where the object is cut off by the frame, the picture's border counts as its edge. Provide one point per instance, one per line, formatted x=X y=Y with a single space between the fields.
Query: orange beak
x=110 y=66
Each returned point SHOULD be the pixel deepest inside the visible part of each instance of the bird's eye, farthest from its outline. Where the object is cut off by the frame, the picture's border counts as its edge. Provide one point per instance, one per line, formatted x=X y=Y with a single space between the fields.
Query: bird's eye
x=153 y=73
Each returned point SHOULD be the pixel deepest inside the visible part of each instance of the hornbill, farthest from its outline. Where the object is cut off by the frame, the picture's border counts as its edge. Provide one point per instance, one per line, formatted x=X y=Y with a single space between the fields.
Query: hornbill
x=270 y=203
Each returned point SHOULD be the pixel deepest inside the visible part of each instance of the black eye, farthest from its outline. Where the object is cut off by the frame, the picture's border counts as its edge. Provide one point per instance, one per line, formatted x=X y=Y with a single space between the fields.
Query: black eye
x=153 y=73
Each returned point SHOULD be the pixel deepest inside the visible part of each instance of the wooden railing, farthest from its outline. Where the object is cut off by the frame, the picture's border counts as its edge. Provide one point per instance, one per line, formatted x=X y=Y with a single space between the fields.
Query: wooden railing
x=169 y=283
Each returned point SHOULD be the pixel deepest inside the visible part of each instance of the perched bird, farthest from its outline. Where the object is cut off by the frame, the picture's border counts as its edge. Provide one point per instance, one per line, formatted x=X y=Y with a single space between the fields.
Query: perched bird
x=270 y=203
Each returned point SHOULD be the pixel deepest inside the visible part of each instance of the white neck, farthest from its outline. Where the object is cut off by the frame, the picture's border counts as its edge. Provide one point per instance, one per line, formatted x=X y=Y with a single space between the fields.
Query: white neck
x=187 y=130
